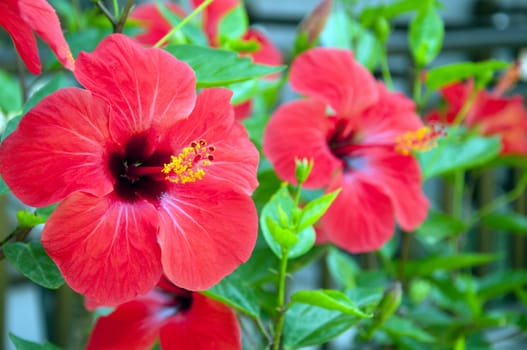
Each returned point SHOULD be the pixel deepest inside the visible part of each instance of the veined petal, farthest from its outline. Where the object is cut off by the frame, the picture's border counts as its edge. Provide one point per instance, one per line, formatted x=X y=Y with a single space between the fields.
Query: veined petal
x=235 y=157
x=212 y=16
x=105 y=249
x=42 y=18
x=399 y=177
x=205 y=232
x=58 y=148
x=361 y=219
x=22 y=36
x=155 y=25
x=299 y=129
x=207 y=325
x=333 y=76
x=133 y=325
x=146 y=86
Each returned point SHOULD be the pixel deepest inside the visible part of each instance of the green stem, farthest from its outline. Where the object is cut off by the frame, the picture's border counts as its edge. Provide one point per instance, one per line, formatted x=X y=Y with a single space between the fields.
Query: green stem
x=405 y=253
x=116 y=8
x=281 y=299
x=417 y=89
x=386 y=74
x=185 y=20
x=457 y=202
x=466 y=107
x=122 y=19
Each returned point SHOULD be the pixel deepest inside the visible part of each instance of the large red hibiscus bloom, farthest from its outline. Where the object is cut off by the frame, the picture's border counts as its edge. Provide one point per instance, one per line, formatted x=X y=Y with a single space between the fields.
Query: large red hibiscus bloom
x=348 y=126
x=180 y=318
x=151 y=178
x=490 y=113
x=21 y=17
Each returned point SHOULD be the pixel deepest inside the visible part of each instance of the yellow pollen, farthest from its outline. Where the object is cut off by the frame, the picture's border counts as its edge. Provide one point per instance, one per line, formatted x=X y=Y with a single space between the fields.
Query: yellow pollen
x=188 y=165
x=420 y=140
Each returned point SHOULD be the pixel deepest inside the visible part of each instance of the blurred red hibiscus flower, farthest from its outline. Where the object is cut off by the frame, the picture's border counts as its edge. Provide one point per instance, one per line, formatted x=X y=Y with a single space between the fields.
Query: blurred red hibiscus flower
x=156 y=26
x=21 y=17
x=489 y=112
x=180 y=318
x=152 y=178
x=349 y=125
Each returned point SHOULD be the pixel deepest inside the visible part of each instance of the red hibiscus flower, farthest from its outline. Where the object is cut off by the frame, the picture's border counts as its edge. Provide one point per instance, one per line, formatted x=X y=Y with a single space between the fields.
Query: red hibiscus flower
x=155 y=25
x=151 y=178
x=348 y=126
x=21 y=17
x=180 y=318
x=490 y=113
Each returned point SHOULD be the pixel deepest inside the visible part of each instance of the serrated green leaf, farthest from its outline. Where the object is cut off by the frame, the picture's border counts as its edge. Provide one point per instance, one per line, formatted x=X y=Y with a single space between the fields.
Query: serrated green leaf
x=233 y=24
x=426 y=34
x=342 y=267
x=458 y=150
x=216 y=67
x=308 y=325
x=237 y=294
x=427 y=266
x=33 y=262
x=444 y=75
x=315 y=209
x=439 y=226
x=510 y=222
x=329 y=299
x=22 y=344
x=27 y=219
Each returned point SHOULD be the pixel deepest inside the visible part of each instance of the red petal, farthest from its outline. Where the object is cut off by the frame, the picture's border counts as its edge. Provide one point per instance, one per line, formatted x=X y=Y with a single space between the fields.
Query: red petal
x=152 y=20
x=235 y=157
x=105 y=249
x=146 y=86
x=22 y=36
x=399 y=177
x=333 y=76
x=243 y=110
x=361 y=219
x=300 y=129
x=58 y=148
x=206 y=231
x=42 y=18
x=132 y=326
x=206 y=325
x=213 y=14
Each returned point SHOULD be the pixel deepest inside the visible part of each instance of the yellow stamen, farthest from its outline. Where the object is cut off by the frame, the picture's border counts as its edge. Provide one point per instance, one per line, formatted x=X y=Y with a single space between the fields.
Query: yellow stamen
x=420 y=140
x=188 y=165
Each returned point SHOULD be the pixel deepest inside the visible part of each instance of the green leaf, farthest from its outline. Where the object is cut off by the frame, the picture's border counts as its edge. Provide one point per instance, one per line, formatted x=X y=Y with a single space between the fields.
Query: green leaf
x=337 y=32
x=3 y=187
x=399 y=327
x=510 y=222
x=342 y=267
x=45 y=212
x=308 y=325
x=444 y=75
x=33 y=262
x=329 y=299
x=439 y=226
x=315 y=209
x=426 y=34
x=216 y=67
x=233 y=24
x=427 y=266
x=281 y=206
x=27 y=219
x=501 y=283
x=458 y=150
x=237 y=294
x=10 y=94
x=22 y=344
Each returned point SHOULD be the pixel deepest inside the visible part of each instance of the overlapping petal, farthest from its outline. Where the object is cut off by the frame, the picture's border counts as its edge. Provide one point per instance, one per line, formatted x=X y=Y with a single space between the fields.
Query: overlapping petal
x=206 y=325
x=235 y=157
x=361 y=219
x=155 y=25
x=59 y=148
x=106 y=249
x=206 y=231
x=333 y=76
x=147 y=87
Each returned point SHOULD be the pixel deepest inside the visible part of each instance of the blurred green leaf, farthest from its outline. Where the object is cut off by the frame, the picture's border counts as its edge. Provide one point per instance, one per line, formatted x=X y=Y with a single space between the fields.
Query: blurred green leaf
x=338 y=29
x=33 y=262
x=22 y=344
x=216 y=67
x=501 y=283
x=426 y=34
x=308 y=325
x=342 y=267
x=367 y=48
x=439 y=226
x=427 y=266
x=510 y=222
x=233 y=24
x=237 y=294
x=444 y=75
x=329 y=299
x=10 y=93
x=45 y=212
x=191 y=31
x=3 y=187
x=402 y=327
x=459 y=150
